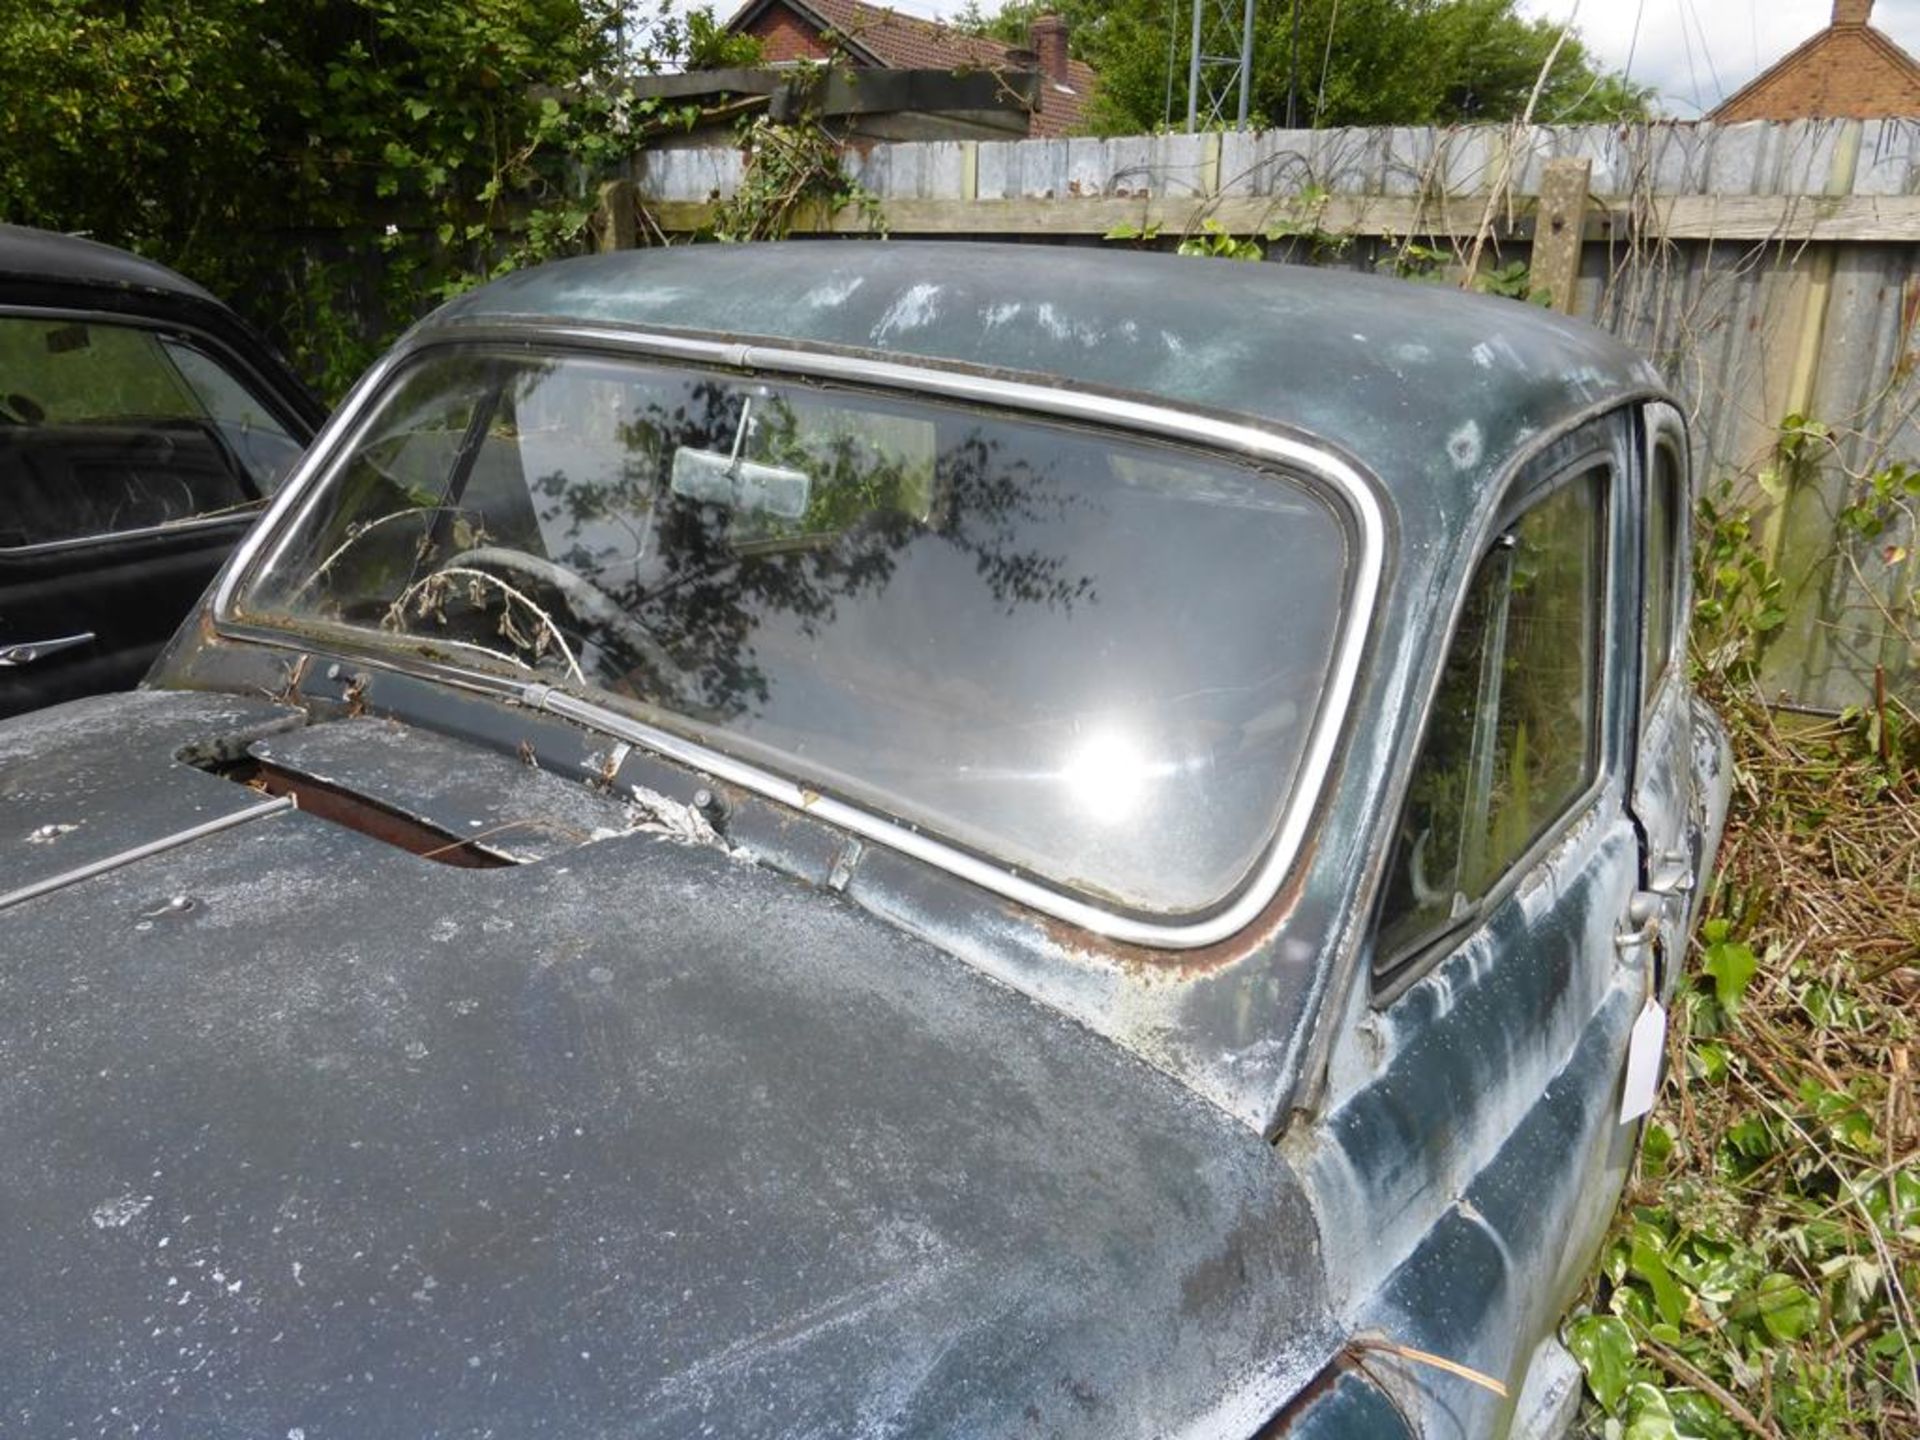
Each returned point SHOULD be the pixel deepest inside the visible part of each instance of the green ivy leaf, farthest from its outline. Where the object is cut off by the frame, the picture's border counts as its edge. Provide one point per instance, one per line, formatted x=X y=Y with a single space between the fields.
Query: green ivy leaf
x=1787 y=1311
x=1731 y=963
x=1646 y=1261
x=1648 y=1415
x=1604 y=1347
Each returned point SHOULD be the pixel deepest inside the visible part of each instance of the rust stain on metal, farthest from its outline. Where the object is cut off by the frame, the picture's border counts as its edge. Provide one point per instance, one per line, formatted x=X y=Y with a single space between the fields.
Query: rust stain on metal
x=1316 y=1389
x=1145 y=962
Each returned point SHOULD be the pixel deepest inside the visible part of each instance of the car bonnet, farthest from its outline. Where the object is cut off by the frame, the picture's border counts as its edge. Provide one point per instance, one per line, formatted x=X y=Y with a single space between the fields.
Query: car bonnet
x=307 y=1133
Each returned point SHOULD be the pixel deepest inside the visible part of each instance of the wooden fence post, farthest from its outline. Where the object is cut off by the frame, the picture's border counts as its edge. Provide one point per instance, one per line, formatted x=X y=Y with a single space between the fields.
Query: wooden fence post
x=616 y=218
x=1559 y=231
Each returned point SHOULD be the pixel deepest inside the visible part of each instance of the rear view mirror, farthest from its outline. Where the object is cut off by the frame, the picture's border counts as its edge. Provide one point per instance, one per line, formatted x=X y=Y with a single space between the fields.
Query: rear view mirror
x=744 y=486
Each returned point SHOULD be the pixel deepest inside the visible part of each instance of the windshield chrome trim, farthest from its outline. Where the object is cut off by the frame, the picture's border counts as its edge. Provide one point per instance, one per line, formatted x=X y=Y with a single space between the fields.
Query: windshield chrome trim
x=1230 y=437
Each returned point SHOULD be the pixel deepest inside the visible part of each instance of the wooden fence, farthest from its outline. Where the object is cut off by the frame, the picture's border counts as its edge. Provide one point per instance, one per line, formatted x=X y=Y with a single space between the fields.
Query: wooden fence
x=1770 y=269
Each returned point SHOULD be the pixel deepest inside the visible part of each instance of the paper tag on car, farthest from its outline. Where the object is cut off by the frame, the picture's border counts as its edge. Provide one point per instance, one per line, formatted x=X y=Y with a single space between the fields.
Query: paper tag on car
x=1644 y=1050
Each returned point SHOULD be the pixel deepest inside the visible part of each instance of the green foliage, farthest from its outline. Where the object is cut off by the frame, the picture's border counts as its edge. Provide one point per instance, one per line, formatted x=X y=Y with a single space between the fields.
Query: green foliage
x=711 y=46
x=790 y=168
x=1416 y=260
x=1738 y=603
x=1301 y=227
x=1213 y=242
x=333 y=166
x=1361 y=62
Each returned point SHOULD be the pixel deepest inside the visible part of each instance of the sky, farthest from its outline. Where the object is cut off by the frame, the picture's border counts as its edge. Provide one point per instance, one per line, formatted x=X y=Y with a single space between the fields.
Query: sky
x=1694 y=52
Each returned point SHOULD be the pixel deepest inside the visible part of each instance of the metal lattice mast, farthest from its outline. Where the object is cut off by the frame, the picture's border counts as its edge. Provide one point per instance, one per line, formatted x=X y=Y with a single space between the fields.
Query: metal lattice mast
x=1220 y=64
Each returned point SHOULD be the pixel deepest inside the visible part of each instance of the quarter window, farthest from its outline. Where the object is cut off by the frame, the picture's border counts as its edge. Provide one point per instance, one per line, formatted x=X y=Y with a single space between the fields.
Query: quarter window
x=1513 y=738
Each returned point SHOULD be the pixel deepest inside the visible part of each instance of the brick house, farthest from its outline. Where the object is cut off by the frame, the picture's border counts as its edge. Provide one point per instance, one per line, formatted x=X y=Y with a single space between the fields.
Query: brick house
x=872 y=37
x=1848 y=70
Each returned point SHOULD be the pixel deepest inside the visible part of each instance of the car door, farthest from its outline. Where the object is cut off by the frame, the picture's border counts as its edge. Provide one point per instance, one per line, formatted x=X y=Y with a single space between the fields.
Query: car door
x=1477 y=1148
x=1663 y=800
x=132 y=457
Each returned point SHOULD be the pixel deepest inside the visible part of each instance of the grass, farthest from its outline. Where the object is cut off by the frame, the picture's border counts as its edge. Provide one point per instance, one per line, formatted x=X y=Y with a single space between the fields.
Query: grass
x=1762 y=1276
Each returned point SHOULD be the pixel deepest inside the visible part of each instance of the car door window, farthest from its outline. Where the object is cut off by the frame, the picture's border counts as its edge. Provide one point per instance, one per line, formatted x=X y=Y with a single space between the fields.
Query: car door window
x=107 y=428
x=1513 y=737
x=1664 y=555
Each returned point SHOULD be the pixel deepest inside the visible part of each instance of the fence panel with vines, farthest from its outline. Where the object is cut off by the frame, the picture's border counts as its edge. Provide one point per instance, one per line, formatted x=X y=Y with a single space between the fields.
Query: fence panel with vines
x=1772 y=270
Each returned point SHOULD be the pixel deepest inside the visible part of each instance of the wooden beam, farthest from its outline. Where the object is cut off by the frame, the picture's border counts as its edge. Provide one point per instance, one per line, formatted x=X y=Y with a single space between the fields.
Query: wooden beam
x=1560 y=231
x=1790 y=219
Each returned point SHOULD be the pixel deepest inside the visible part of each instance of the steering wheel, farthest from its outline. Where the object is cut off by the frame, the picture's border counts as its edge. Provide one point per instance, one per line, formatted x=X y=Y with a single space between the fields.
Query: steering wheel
x=591 y=604
x=20 y=410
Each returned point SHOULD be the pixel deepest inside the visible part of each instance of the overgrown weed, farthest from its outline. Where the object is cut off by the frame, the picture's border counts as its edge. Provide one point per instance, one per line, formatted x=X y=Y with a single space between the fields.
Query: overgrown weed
x=1763 y=1274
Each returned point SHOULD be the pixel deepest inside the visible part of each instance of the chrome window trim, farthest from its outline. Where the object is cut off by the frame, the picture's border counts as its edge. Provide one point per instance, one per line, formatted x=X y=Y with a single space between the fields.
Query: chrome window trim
x=229 y=361
x=1665 y=428
x=236 y=517
x=1247 y=441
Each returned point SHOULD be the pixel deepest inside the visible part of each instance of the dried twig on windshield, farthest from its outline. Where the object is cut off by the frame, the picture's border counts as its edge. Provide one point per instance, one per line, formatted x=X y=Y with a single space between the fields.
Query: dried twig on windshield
x=427 y=596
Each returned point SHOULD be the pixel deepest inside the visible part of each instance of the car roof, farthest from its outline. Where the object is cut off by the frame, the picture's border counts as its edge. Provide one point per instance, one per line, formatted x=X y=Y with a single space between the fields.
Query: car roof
x=68 y=259
x=1432 y=389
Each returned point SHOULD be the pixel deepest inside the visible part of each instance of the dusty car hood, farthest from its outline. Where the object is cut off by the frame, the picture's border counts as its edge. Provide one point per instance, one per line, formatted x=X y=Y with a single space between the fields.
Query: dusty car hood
x=637 y=1140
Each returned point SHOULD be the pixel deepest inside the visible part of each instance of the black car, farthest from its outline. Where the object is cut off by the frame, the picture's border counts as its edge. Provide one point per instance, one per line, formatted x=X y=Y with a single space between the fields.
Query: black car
x=141 y=426
x=873 y=840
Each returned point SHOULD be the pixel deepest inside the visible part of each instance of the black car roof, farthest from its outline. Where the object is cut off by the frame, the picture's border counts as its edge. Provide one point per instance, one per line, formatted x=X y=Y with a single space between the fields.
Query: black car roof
x=1433 y=389
x=68 y=259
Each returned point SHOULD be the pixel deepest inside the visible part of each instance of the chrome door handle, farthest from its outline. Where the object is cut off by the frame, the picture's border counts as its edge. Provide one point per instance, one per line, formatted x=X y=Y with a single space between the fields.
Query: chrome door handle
x=29 y=651
x=1645 y=913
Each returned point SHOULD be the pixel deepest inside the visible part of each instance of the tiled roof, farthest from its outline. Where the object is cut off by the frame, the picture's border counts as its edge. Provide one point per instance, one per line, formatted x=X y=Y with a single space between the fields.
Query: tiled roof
x=875 y=35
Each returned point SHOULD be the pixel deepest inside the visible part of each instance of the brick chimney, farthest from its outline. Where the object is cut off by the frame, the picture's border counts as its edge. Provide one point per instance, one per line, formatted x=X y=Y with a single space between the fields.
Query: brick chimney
x=1048 y=37
x=1845 y=12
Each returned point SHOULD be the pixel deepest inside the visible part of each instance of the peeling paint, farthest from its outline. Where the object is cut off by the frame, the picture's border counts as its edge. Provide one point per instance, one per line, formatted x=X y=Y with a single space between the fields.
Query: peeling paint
x=1465 y=446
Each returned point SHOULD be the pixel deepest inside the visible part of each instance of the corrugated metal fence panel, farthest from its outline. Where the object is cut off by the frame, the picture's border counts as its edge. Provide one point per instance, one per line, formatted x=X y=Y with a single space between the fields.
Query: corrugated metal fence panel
x=1748 y=331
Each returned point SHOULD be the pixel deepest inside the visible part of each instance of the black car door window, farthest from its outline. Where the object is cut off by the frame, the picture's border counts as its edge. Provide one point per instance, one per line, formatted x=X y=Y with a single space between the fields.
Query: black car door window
x=107 y=429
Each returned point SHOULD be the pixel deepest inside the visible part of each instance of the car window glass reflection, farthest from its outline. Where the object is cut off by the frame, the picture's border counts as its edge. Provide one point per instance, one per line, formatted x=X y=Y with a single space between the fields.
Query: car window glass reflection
x=1091 y=658
x=1512 y=738
x=112 y=428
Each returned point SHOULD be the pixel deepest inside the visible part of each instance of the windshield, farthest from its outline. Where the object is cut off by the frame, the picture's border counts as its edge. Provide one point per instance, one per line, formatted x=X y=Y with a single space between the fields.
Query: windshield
x=1092 y=658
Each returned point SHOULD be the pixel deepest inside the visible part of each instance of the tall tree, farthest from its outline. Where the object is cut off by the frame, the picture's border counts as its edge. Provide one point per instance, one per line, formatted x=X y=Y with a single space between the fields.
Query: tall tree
x=319 y=161
x=1360 y=62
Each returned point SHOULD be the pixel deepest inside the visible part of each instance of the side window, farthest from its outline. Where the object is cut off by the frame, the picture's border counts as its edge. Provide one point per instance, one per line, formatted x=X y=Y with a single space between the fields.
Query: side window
x=109 y=428
x=1664 y=556
x=1514 y=735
